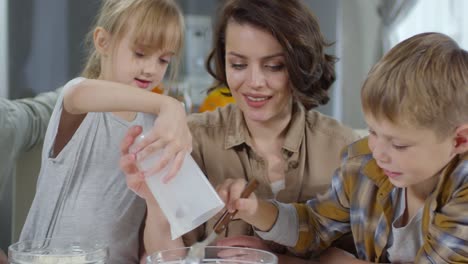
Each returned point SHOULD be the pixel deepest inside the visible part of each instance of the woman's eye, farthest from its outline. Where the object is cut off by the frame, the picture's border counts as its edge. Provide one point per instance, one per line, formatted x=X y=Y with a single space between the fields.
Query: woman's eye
x=278 y=67
x=238 y=66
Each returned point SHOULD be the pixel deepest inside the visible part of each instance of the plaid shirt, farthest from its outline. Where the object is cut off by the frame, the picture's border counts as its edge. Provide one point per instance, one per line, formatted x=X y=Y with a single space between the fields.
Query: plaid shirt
x=362 y=200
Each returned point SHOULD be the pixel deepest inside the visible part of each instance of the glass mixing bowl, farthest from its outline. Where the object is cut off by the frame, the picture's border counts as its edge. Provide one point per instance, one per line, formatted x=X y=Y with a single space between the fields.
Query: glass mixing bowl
x=58 y=251
x=219 y=255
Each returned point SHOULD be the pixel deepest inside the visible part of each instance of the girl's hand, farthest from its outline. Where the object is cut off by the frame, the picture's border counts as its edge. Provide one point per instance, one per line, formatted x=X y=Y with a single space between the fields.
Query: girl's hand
x=135 y=178
x=170 y=133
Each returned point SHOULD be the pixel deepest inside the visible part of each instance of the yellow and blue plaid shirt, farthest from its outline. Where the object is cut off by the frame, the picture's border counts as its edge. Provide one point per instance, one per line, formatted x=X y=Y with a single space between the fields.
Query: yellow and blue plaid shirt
x=362 y=200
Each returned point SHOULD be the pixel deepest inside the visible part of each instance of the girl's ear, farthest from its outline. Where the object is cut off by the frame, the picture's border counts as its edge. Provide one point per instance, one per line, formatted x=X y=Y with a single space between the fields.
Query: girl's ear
x=461 y=139
x=101 y=41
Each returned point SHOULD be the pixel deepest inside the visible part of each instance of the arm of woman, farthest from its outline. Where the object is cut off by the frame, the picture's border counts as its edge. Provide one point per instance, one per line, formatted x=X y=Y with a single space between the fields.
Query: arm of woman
x=157 y=233
x=3 y=257
x=23 y=123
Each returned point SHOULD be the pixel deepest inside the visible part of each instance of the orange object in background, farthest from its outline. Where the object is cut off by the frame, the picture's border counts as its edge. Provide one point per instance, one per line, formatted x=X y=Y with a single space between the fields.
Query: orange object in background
x=158 y=90
x=216 y=98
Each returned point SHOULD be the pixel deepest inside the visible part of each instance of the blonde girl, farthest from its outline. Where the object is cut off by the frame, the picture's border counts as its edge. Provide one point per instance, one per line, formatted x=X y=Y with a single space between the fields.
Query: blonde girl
x=81 y=192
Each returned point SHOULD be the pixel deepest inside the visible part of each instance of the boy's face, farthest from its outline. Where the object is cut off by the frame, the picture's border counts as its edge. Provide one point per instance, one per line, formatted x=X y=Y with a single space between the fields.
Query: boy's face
x=410 y=156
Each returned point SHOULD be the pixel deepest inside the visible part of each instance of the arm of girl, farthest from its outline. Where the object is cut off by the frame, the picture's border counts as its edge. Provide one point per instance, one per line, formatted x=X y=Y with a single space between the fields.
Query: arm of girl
x=171 y=133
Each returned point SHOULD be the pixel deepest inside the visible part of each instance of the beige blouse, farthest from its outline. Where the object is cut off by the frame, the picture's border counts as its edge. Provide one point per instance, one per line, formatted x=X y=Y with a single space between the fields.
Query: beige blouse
x=222 y=148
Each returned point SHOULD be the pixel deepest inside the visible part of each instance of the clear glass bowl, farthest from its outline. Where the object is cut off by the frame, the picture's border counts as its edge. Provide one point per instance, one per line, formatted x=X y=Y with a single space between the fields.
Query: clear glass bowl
x=58 y=251
x=219 y=255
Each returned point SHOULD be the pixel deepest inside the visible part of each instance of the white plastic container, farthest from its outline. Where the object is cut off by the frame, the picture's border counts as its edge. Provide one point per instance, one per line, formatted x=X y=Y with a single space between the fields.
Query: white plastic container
x=188 y=200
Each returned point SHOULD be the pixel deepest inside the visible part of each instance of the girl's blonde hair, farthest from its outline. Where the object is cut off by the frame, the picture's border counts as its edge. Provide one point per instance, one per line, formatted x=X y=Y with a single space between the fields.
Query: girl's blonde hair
x=157 y=24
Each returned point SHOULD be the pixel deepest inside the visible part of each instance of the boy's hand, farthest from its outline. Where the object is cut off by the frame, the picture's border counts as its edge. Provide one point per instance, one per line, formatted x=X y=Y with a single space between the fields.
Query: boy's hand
x=230 y=192
x=261 y=214
x=171 y=133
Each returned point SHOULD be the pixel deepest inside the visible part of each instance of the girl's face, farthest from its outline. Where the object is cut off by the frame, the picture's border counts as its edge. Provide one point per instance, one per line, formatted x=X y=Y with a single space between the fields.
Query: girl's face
x=133 y=64
x=256 y=73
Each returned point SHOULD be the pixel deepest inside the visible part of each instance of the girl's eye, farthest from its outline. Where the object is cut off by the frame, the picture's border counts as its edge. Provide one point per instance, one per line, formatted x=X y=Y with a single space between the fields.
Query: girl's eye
x=238 y=66
x=371 y=132
x=139 y=54
x=164 y=60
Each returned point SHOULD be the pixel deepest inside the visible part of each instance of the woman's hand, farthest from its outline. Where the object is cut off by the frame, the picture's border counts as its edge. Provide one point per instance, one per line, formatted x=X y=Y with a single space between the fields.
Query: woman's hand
x=3 y=258
x=336 y=255
x=170 y=133
x=257 y=243
x=243 y=241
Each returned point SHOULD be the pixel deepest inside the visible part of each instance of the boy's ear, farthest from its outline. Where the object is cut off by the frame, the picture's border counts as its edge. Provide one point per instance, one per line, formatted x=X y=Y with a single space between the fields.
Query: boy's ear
x=101 y=40
x=461 y=139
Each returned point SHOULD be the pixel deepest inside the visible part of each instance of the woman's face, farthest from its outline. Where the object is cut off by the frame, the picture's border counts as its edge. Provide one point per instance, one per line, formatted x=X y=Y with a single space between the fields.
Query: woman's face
x=256 y=73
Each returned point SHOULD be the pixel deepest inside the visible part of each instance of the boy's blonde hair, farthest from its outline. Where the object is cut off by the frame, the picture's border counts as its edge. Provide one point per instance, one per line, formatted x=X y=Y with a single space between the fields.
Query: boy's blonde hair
x=423 y=81
x=157 y=24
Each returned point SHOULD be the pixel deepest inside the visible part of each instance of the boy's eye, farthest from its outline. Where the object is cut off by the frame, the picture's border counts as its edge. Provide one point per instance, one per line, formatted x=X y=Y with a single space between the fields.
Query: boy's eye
x=399 y=147
x=371 y=132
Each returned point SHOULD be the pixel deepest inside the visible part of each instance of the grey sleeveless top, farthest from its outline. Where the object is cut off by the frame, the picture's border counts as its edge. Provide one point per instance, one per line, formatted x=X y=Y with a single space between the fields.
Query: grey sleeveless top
x=82 y=193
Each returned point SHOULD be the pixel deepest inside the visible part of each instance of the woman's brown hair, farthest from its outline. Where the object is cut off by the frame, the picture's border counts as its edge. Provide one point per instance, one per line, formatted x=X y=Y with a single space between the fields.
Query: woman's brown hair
x=311 y=71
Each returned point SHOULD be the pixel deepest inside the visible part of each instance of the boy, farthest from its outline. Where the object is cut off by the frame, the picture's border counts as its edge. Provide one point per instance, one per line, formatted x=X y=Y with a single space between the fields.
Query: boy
x=403 y=191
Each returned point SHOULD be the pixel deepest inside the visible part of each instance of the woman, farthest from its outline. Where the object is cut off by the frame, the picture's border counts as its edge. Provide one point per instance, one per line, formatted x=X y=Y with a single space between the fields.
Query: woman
x=270 y=54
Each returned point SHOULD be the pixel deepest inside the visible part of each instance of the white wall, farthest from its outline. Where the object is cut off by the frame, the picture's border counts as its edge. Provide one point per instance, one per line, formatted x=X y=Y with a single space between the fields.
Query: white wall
x=3 y=48
x=359 y=47
x=326 y=13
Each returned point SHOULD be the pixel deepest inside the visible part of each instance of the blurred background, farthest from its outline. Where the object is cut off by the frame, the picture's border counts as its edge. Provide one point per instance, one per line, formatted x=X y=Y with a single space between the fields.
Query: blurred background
x=41 y=48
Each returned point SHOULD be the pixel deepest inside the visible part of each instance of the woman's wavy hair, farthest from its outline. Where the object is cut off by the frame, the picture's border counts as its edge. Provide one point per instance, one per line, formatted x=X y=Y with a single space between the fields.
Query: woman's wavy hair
x=311 y=71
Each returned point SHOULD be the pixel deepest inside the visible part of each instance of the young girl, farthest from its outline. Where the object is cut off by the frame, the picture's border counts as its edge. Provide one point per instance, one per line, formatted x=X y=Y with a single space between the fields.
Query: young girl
x=81 y=192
